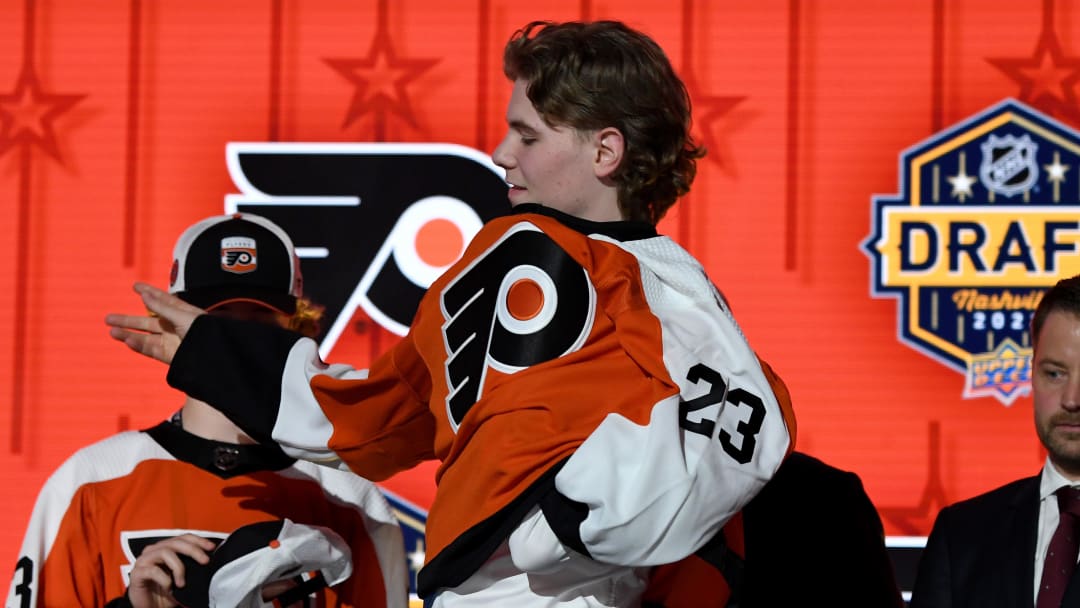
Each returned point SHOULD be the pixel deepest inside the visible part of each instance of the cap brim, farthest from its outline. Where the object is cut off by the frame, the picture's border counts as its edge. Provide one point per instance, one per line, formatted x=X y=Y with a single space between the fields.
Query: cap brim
x=209 y=299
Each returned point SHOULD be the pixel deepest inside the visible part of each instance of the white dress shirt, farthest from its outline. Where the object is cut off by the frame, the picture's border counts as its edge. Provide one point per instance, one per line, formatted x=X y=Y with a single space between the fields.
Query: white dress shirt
x=1050 y=482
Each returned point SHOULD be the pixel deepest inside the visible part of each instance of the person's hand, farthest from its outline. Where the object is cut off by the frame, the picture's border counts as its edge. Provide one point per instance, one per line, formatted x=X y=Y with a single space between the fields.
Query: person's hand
x=158 y=334
x=273 y=590
x=159 y=568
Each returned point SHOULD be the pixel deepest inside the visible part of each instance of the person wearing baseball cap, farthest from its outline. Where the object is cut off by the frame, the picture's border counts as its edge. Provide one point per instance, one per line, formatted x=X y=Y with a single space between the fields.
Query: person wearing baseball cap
x=242 y=262
x=116 y=524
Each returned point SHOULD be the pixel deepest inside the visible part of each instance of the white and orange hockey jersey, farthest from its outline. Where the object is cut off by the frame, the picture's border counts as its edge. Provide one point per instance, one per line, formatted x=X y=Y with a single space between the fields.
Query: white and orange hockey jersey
x=588 y=369
x=110 y=500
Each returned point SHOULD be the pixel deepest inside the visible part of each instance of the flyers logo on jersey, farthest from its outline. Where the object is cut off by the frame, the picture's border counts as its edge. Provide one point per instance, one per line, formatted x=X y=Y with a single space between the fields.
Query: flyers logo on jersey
x=986 y=220
x=522 y=302
x=238 y=254
x=374 y=223
x=133 y=542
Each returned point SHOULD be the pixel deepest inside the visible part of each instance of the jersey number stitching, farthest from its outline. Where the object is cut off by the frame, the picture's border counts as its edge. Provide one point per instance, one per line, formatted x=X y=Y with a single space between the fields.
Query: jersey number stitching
x=719 y=393
x=26 y=565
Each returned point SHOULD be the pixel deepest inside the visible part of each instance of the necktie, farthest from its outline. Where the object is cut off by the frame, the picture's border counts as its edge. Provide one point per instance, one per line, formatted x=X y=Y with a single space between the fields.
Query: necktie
x=1061 y=554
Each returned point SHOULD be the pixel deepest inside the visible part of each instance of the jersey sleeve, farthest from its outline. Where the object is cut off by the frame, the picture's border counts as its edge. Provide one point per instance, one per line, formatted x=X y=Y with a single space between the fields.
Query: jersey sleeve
x=380 y=573
x=59 y=563
x=641 y=494
x=272 y=383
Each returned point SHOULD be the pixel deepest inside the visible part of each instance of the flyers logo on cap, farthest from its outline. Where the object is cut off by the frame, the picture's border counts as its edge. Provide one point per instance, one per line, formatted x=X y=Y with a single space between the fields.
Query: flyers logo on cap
x=986 y=220
x=238 y=254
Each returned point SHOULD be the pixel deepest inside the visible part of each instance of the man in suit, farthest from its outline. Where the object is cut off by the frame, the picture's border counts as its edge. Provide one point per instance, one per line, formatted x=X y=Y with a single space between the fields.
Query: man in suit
x=994 y=549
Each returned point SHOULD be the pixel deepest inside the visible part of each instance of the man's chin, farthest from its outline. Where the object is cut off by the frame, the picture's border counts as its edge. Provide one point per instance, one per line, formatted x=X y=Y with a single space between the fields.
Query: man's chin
x=1064 y=452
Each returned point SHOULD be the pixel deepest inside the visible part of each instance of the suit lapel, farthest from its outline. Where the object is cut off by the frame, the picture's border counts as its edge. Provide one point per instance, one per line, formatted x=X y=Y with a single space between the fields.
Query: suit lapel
x=1002 y=574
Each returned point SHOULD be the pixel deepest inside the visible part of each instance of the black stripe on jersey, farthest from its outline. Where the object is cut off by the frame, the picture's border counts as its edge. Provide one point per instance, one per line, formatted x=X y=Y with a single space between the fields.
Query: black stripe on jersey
x=717 y=553
x=235 y=366
x=226 y=460
x=565 y=517
x=620 y=231
x=464 y=556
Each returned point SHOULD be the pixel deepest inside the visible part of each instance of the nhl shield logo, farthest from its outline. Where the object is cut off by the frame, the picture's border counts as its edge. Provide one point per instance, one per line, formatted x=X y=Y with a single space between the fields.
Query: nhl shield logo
x=968 y=257
x=1008 y=164
x=238 y=254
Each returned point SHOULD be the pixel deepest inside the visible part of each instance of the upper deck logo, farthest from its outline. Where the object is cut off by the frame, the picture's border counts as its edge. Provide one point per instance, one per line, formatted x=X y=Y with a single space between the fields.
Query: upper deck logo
x=969 y=256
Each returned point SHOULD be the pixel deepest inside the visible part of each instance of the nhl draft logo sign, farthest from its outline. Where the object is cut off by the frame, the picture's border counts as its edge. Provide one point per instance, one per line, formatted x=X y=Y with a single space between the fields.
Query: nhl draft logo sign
x=988 y=217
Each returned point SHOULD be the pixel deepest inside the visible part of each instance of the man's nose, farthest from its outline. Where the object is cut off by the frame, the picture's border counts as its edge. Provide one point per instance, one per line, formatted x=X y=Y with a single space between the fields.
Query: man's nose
x=499 y=156
x=1070 y=399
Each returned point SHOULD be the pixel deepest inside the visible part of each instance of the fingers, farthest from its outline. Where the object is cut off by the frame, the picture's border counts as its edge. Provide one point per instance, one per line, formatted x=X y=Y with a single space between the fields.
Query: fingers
x=276 y=588
x=176 y=312
x=133 y=322
x=160 y=563
x=143 y=335
x=158 y=334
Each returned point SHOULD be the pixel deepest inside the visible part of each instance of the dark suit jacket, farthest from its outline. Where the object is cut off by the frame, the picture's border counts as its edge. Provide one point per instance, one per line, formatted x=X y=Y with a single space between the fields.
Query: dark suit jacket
x=812 y=538
x=981 y=553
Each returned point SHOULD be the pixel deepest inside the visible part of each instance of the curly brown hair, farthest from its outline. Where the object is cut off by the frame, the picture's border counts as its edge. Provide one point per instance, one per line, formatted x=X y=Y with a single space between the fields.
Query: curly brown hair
x=307 y=319
x=593 y=75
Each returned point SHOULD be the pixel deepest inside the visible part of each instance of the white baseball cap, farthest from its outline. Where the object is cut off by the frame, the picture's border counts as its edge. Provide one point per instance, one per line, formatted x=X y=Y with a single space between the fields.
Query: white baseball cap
x=257 y=554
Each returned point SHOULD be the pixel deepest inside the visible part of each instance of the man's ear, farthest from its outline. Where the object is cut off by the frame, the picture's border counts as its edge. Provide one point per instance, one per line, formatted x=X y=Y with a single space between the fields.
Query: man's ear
x=610 y=147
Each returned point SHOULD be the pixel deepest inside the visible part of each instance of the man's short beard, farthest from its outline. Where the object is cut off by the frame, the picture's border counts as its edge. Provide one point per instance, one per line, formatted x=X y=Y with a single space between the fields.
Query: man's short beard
x=1063 y=448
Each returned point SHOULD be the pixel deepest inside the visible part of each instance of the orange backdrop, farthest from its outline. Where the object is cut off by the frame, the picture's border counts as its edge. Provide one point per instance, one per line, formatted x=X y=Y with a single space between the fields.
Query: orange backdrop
x=115 y=114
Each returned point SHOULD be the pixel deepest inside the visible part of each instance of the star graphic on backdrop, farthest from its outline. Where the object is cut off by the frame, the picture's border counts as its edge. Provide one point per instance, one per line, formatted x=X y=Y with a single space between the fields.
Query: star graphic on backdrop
x=708 y=110
x=1047 y=78
x=416 y=556
x=1055 y=173
x=380 y=80
x=28 y=112
x=961 y=184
